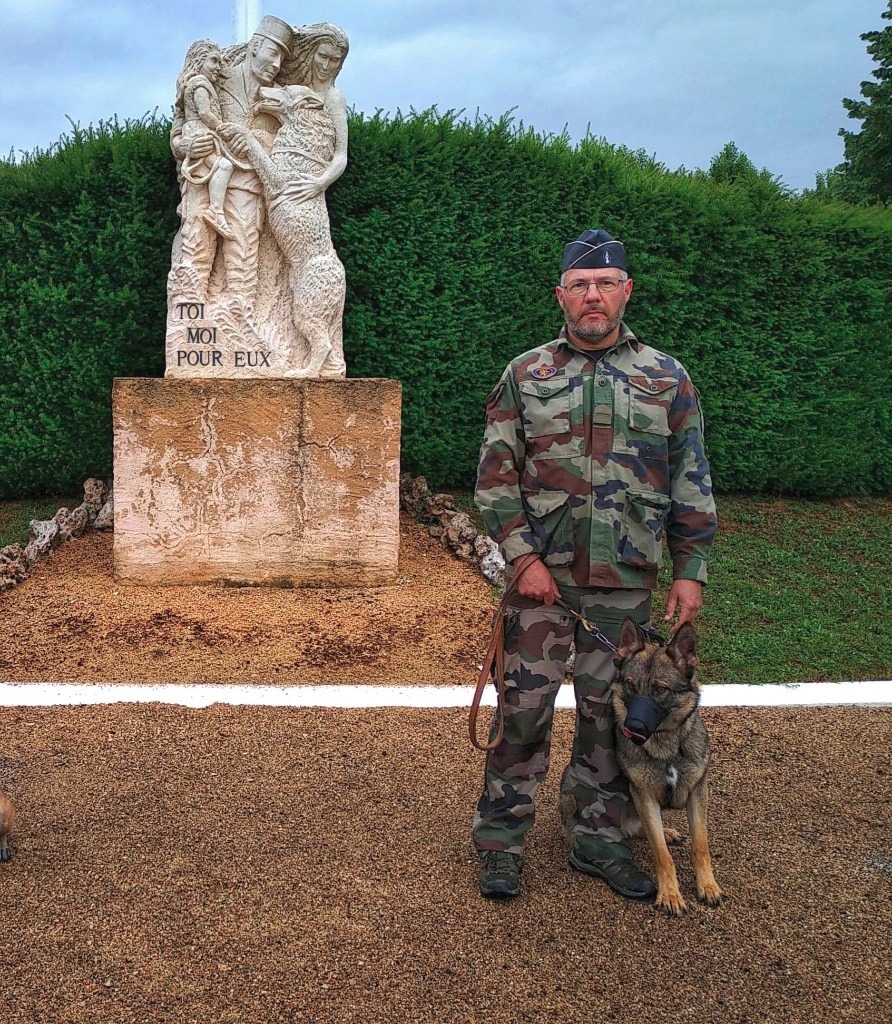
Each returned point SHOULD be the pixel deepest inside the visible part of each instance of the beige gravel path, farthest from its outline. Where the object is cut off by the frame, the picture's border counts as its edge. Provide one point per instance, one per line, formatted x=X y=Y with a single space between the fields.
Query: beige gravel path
x=282 y=865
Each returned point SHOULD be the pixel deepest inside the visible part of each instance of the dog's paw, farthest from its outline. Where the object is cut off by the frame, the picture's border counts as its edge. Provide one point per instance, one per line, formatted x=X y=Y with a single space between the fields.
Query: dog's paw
x=710 y=894
x=5 y=853
x=671 y=903
x=672 y=836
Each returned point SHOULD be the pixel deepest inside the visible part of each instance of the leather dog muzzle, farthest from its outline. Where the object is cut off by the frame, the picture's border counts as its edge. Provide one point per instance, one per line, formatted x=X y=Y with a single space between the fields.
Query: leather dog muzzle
x=643 y=715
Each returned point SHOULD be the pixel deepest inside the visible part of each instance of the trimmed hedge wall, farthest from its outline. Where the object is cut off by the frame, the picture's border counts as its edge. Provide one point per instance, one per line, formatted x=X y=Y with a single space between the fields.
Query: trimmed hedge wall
x=85 y=238
x=451 y=233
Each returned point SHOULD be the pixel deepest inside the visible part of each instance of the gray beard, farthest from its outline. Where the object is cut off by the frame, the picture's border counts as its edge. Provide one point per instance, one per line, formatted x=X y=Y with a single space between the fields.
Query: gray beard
x=594 y=331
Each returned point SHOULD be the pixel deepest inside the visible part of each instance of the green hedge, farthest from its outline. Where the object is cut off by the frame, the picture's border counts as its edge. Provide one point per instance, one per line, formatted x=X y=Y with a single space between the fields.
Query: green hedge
x=451 y=233
x=85 y=236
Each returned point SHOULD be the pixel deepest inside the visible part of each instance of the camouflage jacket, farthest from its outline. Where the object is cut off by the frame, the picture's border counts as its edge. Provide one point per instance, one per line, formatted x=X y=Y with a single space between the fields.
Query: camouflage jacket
x=591 y=464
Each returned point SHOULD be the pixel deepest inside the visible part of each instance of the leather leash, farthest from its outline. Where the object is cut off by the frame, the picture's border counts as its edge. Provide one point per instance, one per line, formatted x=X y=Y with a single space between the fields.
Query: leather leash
x=493 y=667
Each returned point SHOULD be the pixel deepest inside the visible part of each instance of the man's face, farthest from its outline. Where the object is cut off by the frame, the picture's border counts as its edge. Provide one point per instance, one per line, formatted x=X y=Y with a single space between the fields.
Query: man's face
x=266 y=61
x=326 y=61
x=592 y=315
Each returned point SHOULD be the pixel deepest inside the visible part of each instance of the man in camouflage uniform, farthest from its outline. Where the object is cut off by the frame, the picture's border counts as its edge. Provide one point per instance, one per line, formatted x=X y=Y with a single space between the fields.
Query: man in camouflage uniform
x=593 y=453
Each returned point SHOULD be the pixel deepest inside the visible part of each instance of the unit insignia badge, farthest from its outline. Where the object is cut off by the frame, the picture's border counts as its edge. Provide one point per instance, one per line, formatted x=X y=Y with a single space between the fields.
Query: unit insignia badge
x=544 y=372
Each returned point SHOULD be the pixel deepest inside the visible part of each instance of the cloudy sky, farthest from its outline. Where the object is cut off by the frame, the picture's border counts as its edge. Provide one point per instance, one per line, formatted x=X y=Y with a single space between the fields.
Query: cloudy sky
x=677 y=78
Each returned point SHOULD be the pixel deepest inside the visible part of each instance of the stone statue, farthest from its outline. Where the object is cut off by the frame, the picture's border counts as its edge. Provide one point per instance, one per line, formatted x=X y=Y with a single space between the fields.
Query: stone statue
x=259 y=133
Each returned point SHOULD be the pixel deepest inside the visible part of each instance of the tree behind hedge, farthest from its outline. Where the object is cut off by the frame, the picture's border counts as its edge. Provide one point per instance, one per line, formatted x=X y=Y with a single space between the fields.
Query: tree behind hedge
x=451 y=233
x=867 y=169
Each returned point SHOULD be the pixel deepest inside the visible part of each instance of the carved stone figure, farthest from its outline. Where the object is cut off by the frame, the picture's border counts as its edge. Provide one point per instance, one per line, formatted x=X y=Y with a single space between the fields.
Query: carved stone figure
x=259 y=132
x=197 y=94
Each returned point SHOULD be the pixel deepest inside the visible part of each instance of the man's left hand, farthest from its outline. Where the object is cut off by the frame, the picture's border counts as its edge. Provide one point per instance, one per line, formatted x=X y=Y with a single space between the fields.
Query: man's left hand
x=685 y=597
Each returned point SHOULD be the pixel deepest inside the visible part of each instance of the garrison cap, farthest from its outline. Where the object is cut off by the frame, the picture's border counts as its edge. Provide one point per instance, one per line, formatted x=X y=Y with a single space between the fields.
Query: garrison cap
x=593 y=250
x=277 y=31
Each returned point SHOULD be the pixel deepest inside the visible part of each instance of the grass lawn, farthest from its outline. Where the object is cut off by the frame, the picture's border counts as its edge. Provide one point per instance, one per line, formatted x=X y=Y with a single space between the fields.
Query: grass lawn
x=15 y=515
x=798 y=591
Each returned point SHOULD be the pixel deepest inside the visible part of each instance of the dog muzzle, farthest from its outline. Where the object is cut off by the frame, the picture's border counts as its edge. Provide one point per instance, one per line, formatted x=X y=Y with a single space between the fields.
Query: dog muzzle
x=643 y=715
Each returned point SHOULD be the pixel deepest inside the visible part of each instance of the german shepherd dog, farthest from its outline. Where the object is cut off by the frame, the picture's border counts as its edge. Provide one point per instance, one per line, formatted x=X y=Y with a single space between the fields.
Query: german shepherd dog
x=663 y=750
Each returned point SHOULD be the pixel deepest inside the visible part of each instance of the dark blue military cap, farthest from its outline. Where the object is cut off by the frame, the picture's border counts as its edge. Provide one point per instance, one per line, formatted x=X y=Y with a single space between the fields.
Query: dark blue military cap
x=593 y=250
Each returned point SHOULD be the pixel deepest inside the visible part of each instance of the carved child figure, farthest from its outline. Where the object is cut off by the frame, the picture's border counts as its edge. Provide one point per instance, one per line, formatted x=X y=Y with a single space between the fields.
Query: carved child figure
x=200 y=105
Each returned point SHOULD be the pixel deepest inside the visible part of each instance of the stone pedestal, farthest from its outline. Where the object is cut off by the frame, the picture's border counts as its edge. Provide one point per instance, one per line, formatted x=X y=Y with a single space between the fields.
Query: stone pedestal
x=275 y=482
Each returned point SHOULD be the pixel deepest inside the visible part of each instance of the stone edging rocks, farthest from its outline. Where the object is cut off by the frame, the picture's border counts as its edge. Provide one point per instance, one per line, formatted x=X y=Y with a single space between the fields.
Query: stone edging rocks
x=454 y=528
x=95 y=512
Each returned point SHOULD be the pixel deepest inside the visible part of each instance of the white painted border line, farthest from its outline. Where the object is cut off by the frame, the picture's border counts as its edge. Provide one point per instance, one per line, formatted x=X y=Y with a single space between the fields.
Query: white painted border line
x=869 y=693
x=876 y=693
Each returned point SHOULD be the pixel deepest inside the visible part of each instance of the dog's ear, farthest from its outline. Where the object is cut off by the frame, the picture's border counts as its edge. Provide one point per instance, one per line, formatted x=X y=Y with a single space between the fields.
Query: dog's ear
x=631 y=639
x=682 y=650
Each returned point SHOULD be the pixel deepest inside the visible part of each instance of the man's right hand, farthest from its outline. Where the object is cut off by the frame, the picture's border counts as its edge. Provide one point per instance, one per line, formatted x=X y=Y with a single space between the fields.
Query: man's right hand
x=236 y=135
x=199 y=146
x=534 y=580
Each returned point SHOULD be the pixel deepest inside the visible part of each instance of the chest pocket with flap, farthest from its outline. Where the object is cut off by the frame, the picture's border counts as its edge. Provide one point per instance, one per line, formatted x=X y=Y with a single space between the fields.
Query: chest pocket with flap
x=552 y=417
x=642 y=415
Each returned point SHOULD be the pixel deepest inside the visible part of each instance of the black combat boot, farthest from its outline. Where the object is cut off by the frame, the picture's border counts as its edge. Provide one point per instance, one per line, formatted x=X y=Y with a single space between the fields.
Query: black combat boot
x=613 y=864
x=500 y=874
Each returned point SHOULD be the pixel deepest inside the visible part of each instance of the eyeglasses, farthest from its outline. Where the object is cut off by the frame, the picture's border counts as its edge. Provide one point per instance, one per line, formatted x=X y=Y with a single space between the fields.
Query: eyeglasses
x=606 y=286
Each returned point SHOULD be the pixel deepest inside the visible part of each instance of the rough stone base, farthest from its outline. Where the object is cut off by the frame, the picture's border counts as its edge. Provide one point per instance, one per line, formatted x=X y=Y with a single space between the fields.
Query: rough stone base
x=275 y=482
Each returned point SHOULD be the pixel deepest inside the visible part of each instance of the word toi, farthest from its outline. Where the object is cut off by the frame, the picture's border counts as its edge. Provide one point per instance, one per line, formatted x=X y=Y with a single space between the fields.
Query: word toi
x=195 y=357
x=191 y=310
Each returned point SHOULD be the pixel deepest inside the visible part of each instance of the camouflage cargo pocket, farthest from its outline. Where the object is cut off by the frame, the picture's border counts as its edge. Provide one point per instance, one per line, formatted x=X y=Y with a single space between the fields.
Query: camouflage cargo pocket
x=551 y=521
x=641 y=541
x=552 y=417
x=642 y=422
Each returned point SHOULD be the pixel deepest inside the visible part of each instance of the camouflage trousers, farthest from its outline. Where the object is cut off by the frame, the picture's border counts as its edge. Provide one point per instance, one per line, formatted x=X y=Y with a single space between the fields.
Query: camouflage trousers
x=537 y=642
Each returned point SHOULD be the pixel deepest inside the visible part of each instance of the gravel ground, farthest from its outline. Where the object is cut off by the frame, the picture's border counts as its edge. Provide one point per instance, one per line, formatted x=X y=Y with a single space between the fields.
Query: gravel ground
x=285 y=865
x=268 y=865
x=70 y=621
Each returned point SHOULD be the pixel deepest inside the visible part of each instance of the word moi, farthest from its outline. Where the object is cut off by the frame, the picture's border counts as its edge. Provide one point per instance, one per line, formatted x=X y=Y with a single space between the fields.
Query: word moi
x=208 y=336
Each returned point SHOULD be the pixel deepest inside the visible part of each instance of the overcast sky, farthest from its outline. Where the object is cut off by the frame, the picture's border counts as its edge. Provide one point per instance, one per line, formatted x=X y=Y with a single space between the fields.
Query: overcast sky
x=677 y=78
